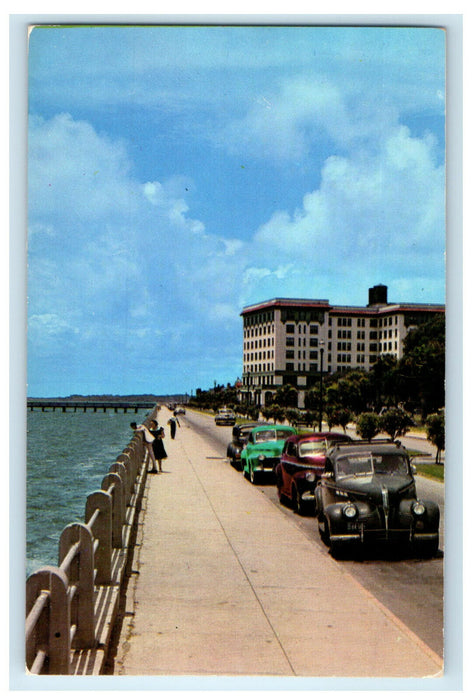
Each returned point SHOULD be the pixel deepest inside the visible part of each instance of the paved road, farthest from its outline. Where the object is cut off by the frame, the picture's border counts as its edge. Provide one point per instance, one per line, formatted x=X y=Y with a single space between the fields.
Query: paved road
x=410 y=588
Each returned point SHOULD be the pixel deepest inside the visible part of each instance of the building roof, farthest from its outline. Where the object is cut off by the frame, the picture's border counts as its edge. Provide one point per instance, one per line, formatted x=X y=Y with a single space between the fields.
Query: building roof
x=372 y=310
x=281 y=303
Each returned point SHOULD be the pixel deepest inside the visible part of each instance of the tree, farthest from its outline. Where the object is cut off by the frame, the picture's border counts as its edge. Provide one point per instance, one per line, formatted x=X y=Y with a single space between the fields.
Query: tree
x=267 y=412
x=436 y=432
x=384 y=381
x=274 y=411
x=287 y=396
x=368 y=425
x=293 y=416
x=278 y=413
x=341 y=417
x=422 y=367
x=395 y=422
x=311 y=418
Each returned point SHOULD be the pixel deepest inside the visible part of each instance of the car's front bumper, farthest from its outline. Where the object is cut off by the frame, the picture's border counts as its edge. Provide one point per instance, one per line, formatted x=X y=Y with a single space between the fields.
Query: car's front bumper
x=265 y=465
x=381 y=535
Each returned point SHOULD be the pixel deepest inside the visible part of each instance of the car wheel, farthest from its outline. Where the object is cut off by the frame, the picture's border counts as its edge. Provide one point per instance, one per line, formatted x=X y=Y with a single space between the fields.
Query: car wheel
x=428 y=550
x=323 y=529
x=278 y=483
x=297 y=503
x=334 y=547
x=253 y=476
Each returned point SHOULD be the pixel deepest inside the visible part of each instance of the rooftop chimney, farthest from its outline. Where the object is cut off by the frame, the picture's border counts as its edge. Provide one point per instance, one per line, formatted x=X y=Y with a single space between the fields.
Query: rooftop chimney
x=378 y=295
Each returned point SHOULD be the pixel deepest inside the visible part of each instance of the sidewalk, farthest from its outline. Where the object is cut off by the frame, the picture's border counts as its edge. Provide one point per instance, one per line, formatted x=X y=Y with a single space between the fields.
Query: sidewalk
x=227 y=585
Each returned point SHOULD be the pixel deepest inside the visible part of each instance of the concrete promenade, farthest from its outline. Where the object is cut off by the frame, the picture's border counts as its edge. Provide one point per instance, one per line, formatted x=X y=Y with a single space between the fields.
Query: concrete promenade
x=225 y=584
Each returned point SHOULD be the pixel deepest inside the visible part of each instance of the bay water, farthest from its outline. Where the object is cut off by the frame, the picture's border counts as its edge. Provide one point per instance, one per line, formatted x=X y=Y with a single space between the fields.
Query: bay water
x=68 y=454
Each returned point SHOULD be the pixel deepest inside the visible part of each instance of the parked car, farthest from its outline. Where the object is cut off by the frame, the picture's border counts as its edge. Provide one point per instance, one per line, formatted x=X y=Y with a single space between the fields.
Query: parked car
x=225 y=416
x=367 y=493
x=240 y=435
x=301 y=465
x=179 y=411
x=262 y=451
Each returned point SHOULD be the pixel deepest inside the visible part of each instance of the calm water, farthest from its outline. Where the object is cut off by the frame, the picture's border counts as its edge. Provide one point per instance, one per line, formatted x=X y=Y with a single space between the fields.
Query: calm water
x=68 y=454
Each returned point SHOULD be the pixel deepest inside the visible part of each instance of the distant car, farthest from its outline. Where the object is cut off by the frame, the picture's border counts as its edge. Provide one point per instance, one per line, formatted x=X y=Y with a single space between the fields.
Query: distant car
x=179 y=411
x=300 y=467
x=240 y=435
x=262 y=451
x=225 y=416
x=367 y=493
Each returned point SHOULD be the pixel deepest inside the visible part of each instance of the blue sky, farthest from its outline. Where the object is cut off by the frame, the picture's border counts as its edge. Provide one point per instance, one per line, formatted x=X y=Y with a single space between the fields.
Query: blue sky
x=177 y=174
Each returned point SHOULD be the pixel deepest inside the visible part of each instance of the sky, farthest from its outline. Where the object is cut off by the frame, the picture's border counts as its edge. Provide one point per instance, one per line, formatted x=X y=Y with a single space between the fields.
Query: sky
x=178 y=174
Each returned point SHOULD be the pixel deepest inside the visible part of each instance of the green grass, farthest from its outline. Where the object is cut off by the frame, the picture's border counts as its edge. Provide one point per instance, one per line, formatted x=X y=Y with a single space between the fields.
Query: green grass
x=431 y=471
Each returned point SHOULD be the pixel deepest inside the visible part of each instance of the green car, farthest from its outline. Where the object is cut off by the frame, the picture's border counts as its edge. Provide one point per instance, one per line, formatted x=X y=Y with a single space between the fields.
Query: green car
x=263 y=449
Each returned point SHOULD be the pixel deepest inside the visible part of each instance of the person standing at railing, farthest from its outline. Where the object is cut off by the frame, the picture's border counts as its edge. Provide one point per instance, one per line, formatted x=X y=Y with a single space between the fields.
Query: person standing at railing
x=158 y=444
x=149 y=439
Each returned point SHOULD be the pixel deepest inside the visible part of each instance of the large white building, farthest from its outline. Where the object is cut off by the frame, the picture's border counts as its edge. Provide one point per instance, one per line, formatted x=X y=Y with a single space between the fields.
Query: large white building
x=291 y=341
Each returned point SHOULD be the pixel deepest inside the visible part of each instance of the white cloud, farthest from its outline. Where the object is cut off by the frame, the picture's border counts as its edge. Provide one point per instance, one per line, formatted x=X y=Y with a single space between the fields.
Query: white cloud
x=74 y=168
x=117 y=274
x=285 y=124
x=386 y=202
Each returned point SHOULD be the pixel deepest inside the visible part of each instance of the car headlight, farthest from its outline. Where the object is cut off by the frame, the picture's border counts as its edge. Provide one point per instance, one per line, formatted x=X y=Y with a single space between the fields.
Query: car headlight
x=309 y=476
x=261 y=458
x=350 y=511
x=418 y=509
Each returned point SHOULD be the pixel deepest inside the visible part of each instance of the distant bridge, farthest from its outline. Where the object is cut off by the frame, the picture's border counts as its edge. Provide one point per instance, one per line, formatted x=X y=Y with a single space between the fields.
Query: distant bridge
x=91 y=404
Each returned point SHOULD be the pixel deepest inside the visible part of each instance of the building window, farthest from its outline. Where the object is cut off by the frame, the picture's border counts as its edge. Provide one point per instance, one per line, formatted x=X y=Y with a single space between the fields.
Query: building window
x=313 y=330
x=290 y=342
x=290 y=328
x=289 y=366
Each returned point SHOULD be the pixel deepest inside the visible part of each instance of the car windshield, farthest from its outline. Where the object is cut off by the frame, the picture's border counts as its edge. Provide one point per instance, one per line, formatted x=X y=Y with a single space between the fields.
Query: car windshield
x=244 y=432
x=283 y=434
x=368 y=463
x=264 y=435
x=307 y=449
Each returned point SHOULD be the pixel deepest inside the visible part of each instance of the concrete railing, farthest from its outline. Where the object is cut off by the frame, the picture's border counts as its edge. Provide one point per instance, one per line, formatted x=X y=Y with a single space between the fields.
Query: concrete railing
x=71 y=608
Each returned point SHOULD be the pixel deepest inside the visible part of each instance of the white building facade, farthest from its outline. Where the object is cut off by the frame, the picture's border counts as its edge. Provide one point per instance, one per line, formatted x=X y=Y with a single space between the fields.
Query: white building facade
x=292 y=341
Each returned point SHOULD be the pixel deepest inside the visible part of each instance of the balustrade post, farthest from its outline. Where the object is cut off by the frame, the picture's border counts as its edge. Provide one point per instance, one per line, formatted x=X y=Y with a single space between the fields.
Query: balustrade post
x=117 y=507
x=133 y=452
x=101 y=529
x=80 y=574
x=52 y=630
x=124 y=472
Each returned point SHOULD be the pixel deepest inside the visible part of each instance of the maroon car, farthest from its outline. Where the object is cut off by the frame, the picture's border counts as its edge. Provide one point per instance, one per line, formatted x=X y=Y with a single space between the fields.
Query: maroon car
x=300 y=467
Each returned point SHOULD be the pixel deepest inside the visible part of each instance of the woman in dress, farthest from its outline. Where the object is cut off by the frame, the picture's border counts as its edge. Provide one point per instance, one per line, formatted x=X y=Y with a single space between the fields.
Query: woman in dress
x=158 y=444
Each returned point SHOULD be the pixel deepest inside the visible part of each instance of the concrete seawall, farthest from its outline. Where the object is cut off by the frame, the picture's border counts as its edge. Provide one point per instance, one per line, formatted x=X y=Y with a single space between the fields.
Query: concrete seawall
x=224 y=584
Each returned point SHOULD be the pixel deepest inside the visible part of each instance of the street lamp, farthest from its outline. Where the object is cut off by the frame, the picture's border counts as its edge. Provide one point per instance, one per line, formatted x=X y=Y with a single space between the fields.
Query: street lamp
x=321 y=386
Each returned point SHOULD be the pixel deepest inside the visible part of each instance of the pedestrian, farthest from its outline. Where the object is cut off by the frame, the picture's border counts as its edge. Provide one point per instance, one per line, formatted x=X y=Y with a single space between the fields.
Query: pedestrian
x=158 y=444
x=149 y=439
x=173 y=422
